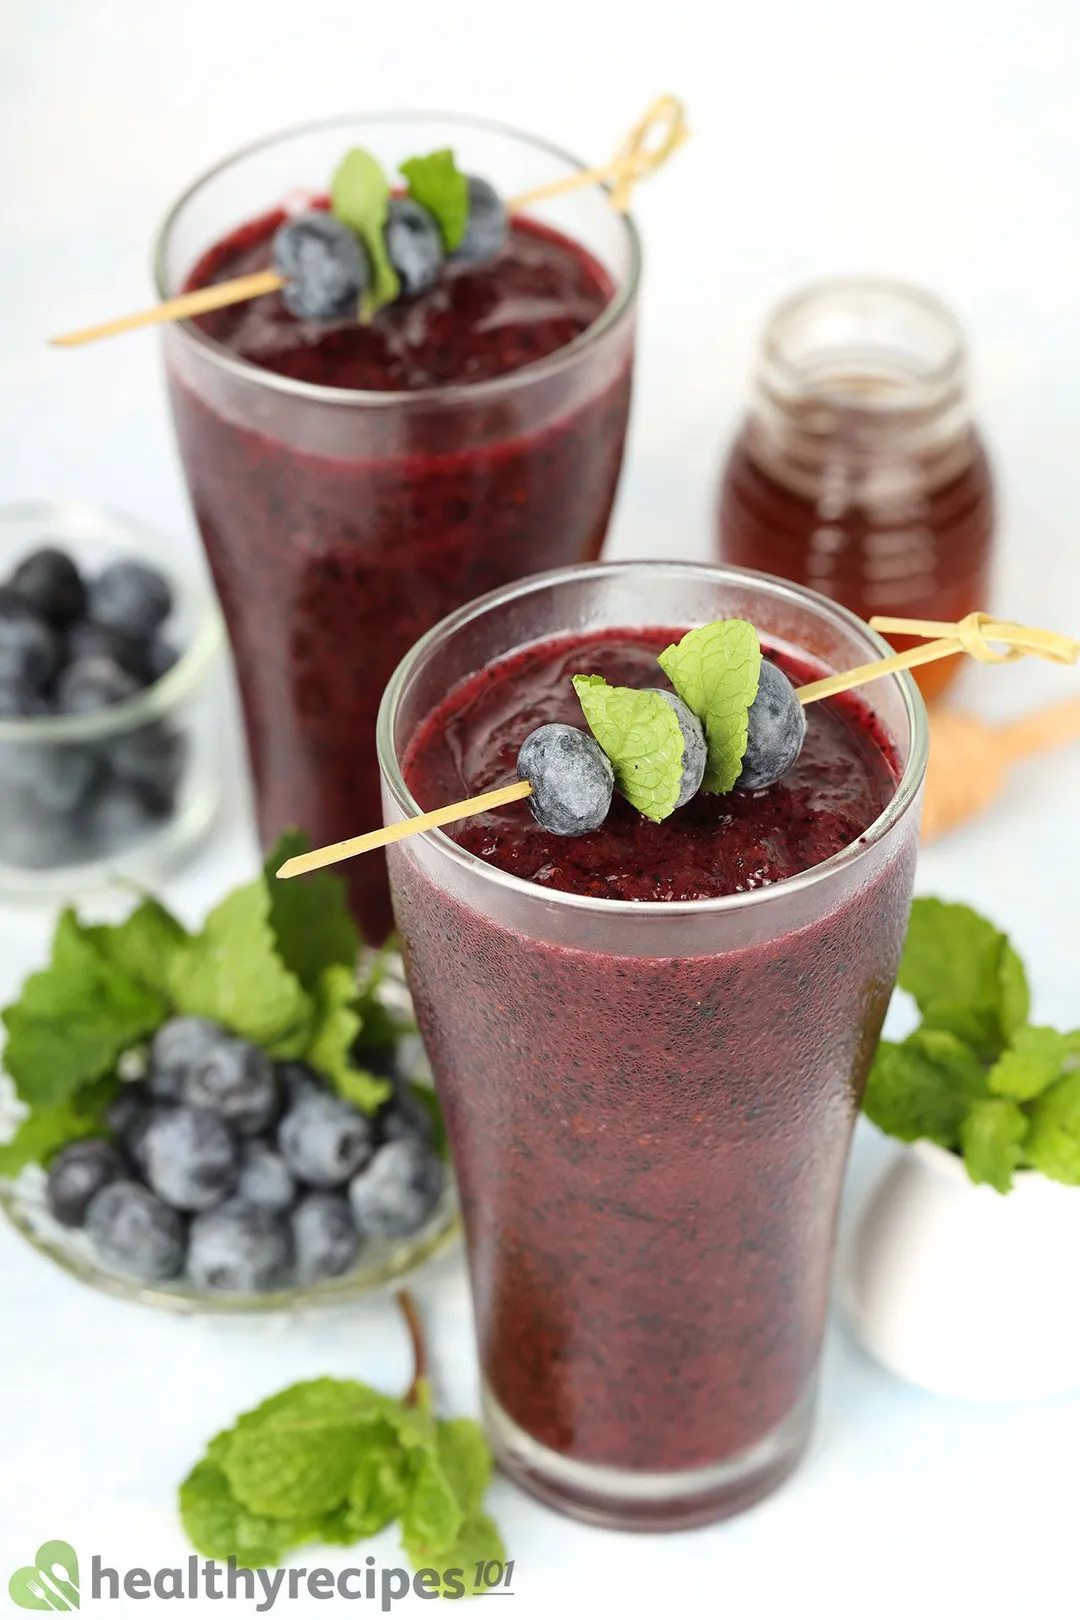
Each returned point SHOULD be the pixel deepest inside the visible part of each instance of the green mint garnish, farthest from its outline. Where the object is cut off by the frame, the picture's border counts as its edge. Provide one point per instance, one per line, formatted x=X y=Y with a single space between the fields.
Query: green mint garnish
x=975 y=1077
x=964 y=975
x=360 y=198
x=992 y=1141
x=715 y=671
x=640 y=735
x=275 y=963
x=336 y=1460
x=437 y=184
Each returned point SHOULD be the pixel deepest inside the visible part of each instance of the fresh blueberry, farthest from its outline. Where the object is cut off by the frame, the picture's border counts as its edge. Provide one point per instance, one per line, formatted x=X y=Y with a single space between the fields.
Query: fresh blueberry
x=265 y=1179
x=30 y=650
x=414 y=245
x=131 y=599
x=326 y=266
x=324 y=1141
x=116 y=819
x=177 y=1049
x=32 y=838
x=571 y=776
x=297 y=1081
x=89 y=685
x=55 y=777
x=486 y=227
x=151 y=758
x=404 y=1118
x=135 y=1232
x=236 y=1080
x=128 y=1117
x=86 y=640
x=51 y=586
x=239 y=1249
x=694 y=749
x=776 y=728
x=190 y=1157
x=397 y=1191
x=325 y=1239
x=76 y=1173
x=19 y=700
x=161 y=655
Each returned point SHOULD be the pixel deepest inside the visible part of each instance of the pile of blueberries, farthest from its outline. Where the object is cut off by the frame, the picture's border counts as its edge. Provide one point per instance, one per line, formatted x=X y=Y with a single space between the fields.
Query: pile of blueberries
x=328 y=267
x=74 y=646
x=243 y=1174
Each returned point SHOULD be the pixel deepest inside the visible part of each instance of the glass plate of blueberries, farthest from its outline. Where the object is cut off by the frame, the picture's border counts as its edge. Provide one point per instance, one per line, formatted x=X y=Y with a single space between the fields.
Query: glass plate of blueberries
x=111 y=667
x=233 y=1184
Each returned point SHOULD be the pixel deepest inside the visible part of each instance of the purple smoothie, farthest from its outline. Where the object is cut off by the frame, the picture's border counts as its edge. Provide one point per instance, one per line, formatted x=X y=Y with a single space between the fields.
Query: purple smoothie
x=650 y=1148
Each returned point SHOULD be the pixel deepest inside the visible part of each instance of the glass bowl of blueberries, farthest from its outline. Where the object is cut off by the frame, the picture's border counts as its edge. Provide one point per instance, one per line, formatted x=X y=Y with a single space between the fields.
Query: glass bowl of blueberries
x=111 y=659
x=223 y=1182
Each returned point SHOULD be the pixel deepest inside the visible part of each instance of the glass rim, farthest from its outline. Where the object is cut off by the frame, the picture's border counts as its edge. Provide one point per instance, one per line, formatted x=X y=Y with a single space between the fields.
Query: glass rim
x=610 y=316
x=939 y=374
x=174 y=687
x=906 y=789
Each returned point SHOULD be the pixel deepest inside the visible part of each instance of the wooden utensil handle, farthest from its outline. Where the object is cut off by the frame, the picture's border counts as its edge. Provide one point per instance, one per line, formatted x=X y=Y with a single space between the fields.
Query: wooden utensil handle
x=1047 y=728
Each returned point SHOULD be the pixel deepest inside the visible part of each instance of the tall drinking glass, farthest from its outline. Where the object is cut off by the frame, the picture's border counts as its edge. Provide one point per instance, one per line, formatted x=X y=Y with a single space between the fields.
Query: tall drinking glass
x=650 y=1105
x=339 y=523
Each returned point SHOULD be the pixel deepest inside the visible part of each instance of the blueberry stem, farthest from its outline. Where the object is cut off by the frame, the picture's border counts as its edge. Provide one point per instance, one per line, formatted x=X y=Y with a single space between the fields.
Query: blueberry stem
x=411 y=1312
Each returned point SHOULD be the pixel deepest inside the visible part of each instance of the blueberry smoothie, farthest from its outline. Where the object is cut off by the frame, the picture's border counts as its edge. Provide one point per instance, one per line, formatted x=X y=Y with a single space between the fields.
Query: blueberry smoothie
x=354 y=481
x=650 y=1104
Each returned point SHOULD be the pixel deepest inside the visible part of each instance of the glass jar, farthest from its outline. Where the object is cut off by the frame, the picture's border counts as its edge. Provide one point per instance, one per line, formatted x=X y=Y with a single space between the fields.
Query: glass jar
x=128 y=791
x=649 y=1105
x=858 y=470
x=340 y=522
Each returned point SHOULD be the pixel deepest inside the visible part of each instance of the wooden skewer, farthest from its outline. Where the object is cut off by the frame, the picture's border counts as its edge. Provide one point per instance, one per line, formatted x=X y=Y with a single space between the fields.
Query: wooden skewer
x=975 y=635
x=650 y=143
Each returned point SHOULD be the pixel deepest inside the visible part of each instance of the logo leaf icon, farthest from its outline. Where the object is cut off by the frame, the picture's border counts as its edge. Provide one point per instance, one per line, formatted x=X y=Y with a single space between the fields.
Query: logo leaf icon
x=51 y=1583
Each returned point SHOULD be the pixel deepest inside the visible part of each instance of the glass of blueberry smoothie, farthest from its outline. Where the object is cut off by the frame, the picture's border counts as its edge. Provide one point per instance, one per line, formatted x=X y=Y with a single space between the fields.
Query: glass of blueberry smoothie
x=355 y=480
x=650 y=1039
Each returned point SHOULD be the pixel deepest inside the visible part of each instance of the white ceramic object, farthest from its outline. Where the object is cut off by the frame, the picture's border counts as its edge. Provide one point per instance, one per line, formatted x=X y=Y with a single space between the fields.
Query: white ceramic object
x=965 y=1291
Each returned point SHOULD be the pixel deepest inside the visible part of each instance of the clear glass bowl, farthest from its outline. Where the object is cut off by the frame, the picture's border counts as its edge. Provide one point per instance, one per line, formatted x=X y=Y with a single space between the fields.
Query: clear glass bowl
x=380 y=1262
x=69 y=821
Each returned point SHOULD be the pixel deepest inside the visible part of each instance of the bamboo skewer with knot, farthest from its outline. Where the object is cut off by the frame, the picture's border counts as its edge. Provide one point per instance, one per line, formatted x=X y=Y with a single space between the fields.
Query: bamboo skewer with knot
x=657 y=134
x=988 y=640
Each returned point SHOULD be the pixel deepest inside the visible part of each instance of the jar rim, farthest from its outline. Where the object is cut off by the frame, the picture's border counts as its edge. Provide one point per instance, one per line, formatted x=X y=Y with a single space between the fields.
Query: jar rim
x=620 y=304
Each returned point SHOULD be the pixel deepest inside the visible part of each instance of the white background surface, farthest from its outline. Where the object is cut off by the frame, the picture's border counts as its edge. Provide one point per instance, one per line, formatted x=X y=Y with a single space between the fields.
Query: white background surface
x=938 y=140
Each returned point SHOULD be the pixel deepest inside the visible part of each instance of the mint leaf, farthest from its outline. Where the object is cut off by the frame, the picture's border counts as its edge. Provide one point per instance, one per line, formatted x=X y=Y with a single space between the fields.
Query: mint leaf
x=991 y=1138
x=478 y=1542
x=1053 y=1140
x=438 y=185
x=309 y=917
x=145 y=945
x=45 y=1130
x=715 y=671
x=431 y=1518
x=1033 y=1061
x=232 y=972
x=923 y=1087
x=360 y=197
x=964 y=975
x=640 y=734
x=378 y=1486
x=334 y=1030
x=74 y=1019
x=220 y=1528
x=295 y=1456
x=465 y=1459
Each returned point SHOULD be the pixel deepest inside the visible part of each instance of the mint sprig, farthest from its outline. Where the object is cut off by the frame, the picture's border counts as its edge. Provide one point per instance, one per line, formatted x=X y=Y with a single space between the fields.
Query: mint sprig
x=976 y=1077
x=275 y=963
x=640 y=734
x=337 y=1460
x=715 y=669
x=360 y=198
x=437 y=184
